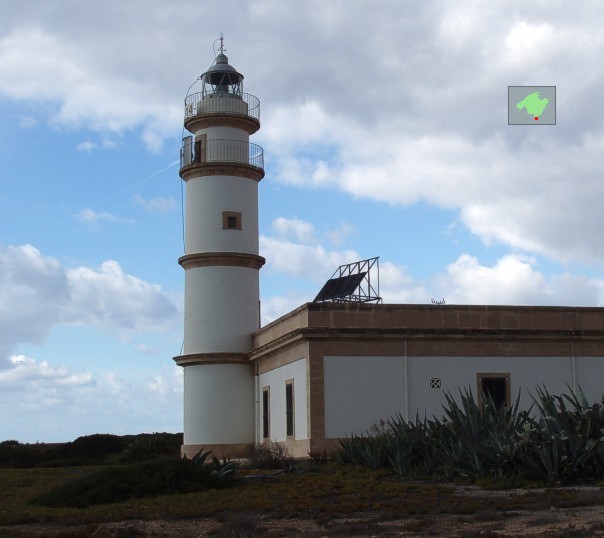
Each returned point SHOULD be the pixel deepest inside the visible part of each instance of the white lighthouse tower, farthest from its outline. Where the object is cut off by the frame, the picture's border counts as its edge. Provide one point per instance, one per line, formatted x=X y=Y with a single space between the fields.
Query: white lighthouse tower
x=221 y=170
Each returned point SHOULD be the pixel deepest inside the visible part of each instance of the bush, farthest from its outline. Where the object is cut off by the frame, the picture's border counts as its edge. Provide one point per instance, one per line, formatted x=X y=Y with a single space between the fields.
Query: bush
x=91 y=450
x=147 y=446
x=138 y=480
x=272 y=455
x=18 y=455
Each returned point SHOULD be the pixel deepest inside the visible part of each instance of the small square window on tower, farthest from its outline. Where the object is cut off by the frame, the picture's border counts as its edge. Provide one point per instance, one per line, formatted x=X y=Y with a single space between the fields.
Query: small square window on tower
x=231 y=220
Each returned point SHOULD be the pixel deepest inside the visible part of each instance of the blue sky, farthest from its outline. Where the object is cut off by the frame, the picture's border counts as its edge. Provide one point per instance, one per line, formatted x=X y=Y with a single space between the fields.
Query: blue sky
x=384 y=128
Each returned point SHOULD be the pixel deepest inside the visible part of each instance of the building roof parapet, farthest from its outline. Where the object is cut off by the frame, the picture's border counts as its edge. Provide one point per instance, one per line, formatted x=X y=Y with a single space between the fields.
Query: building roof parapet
x=461 y=318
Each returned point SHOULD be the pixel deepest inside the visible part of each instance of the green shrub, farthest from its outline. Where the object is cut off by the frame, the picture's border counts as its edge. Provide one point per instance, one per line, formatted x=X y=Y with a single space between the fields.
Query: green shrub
x=137 y=480
x=90 y=450
x=147 y=446
x=18 y=455
x=93 y=449
x=566 y=443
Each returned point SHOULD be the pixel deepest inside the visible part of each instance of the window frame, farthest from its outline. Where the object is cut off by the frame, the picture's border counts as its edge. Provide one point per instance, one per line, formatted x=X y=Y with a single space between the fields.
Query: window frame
x=480 y=376
x=227 y=215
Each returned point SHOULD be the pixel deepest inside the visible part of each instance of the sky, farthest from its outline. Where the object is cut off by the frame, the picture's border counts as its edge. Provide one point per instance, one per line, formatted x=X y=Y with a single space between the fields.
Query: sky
x=385 y=133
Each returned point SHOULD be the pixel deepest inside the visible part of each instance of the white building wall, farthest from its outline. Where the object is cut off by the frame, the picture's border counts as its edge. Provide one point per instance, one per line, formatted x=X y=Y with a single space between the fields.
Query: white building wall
x=589 y=376
x=221 y=309
x=359 y=391
x=218 y=406
x=207 y=198
x=454 y=373
x=275 y=379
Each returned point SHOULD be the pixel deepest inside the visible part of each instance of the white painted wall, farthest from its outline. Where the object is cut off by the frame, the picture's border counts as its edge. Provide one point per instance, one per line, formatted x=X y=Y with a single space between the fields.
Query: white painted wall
x=454 y=372
x=359 y=391
x=207 y=198
x=221 y=309
x=275 y=379
x=218 y=404
x=220 y=102
x=589 y=375
x=221 y=303
x=225 y=133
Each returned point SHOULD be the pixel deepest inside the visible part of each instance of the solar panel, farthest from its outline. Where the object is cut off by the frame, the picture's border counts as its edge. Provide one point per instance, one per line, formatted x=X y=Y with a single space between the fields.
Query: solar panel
x=340 y=287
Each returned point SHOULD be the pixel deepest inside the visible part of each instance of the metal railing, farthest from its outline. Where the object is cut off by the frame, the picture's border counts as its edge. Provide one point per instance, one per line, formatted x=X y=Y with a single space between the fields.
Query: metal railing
x=231 y=151
x=245 y=104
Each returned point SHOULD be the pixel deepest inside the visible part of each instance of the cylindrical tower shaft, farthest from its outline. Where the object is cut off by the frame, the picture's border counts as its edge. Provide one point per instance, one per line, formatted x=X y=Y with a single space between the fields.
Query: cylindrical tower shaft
x=221 y=169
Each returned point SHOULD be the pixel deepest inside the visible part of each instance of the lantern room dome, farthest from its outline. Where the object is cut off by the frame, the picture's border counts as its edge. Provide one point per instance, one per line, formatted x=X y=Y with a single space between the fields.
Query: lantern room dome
x=222 y=77
x=221 y=72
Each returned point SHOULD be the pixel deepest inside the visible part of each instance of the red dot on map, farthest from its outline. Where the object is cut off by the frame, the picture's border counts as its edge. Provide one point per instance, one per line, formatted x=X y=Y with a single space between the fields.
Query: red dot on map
x=536 y=118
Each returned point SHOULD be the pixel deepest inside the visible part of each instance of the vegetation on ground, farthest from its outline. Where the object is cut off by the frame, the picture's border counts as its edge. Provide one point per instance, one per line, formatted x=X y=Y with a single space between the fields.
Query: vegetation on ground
x=271 y=456
x=164 y=476
x=322 y=493
x=373 y=477
x=90 y=450
x=563 y=444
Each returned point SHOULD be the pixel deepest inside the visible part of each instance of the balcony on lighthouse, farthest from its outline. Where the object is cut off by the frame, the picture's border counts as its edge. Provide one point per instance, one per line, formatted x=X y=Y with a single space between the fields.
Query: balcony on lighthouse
x=221 y=92
x=221 y=116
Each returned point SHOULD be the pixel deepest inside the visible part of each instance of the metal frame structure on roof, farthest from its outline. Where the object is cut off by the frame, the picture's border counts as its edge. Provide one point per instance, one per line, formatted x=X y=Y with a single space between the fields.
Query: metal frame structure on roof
x=353 y=283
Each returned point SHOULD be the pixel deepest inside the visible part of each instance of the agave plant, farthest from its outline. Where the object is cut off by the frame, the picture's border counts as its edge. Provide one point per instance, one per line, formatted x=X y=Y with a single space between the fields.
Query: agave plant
x=219 y=472
x=566 y=442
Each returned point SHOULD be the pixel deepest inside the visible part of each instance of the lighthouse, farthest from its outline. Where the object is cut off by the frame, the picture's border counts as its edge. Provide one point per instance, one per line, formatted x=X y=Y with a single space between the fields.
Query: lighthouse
x=221 y=170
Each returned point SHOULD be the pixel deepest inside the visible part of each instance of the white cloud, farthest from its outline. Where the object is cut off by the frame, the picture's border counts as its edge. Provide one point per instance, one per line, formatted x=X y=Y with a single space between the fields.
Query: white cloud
x=42 y=402
x=27 y=122
x=414 y=111
x=42 y=63
x=39 y=293
x=108 y=296
x=24 y=371
x=34 y=290
x=338 y=235
x=295 y=259
x=529 y=44
x=87 y=146
x=279 y=305
x=167 y=386
x=159 y=205
x=146 y=349
x=94 y=219
x=396 y=286
x=513 y=280
x=294 y=229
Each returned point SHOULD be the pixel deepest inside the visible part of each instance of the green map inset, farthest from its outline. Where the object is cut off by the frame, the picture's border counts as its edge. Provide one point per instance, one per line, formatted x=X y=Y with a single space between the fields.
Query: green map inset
x=533 y=104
